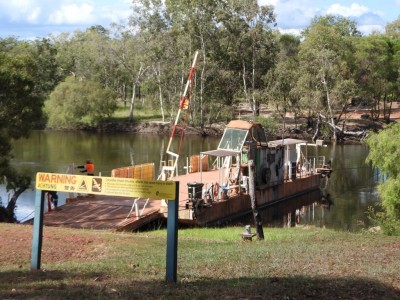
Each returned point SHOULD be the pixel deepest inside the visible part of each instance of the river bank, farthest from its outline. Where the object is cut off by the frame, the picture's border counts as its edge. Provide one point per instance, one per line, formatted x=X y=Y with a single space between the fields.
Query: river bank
x=355 y=124
x=359 y=127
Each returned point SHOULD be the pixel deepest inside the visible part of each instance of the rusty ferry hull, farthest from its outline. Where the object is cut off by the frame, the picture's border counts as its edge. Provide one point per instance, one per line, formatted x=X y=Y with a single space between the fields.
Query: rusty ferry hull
x=238 y=205
x=248 y=171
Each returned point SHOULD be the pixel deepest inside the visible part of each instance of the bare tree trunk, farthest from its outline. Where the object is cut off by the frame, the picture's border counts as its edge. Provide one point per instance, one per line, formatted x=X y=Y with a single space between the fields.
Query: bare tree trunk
x=317 y=129
x=132 y=101
x=390 y=109
x=124 y=93
x=161 y=102
x=328 y=99
x=10 y=209
x=256 y=106
x=157 y=72
x=202 y=83
x=246 y=95
x=344 y=108
x=134 y=85
x=375 y=112
x=282 y=114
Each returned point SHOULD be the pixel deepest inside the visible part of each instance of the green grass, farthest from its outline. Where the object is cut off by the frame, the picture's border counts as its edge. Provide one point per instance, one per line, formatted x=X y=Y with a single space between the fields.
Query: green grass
x=140 y=113
x=295 y=263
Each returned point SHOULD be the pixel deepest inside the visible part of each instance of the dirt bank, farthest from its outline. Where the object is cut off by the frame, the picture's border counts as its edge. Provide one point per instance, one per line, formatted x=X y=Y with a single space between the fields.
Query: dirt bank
x=161 y=128
x=290 y=130
x=355 y=120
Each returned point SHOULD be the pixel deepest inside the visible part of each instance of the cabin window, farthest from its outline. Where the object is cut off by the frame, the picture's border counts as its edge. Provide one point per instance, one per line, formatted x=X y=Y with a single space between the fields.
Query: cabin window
x=233 y=139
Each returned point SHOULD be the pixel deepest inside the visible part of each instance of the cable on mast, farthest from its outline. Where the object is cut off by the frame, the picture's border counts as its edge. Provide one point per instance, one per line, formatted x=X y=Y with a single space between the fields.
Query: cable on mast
x=168 y=171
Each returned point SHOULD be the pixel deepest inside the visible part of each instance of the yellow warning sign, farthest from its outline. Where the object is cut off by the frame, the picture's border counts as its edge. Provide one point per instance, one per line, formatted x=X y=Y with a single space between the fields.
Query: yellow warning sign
x=112 y=186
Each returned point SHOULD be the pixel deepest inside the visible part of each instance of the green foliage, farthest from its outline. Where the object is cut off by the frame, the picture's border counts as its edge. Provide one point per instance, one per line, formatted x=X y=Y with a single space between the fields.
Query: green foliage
x=75 y=103
x=393 y=29
x=21 y=101
x=390 y=193
x=377 y=73
x=384 y=151
x=281 y=81
x=325 y=59
x=20 y=105
x=385 y=155
x=241 y=59
x=389 y=225
x=270 y=125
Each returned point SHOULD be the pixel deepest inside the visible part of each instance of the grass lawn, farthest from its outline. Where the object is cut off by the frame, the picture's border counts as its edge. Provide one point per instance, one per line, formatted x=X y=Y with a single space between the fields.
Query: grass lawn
x=295 y=263
x=139 y=114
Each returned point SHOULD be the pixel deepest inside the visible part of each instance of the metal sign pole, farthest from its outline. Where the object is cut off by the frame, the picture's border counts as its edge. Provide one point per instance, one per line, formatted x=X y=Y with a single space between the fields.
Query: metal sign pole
x=37 y=231
x=172 y=237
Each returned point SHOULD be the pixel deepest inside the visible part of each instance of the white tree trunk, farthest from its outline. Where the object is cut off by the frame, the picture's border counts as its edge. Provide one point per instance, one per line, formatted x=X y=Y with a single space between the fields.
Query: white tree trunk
x=246 y=95
x=134 y=85
x=132 y=101
x=158 y=75
x=328 y=99
x=202 y=82
x=253 y=98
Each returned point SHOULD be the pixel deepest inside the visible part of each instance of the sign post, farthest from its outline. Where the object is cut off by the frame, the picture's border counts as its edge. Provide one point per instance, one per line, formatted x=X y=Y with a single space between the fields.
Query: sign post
x=37 y=231
x=172 y=238
x=111 y=186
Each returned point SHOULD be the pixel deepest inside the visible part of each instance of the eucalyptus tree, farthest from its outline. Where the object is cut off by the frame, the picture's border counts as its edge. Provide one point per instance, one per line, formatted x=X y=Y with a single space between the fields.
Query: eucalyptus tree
x=377 y=60
x=165 y=53
x=174 y=31
x=44 y=54
x=281 y=80
x=248 y=47
x=392 y=29
x=193 y=25
x=128 y=51
x=327 y=67
x=87 y=55
x=236 y=46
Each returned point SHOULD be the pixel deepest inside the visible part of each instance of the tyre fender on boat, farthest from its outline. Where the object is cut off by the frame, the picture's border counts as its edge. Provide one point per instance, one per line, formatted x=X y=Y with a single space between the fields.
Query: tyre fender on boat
x=215 y=190
x=299 y=165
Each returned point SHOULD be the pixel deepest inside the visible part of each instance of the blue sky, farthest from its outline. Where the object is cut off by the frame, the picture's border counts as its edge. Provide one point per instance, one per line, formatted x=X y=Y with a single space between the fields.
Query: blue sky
x=28 y=19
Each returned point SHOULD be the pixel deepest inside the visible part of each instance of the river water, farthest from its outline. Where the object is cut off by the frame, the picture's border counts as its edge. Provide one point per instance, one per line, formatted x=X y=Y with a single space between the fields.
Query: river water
x=352 y=185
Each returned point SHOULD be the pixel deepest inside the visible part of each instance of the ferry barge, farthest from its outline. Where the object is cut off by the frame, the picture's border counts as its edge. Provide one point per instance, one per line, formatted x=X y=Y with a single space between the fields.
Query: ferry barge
x=218 y=182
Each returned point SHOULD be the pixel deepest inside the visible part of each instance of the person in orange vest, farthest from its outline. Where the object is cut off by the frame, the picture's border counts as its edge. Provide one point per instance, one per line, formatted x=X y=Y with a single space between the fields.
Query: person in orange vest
x=88 y=168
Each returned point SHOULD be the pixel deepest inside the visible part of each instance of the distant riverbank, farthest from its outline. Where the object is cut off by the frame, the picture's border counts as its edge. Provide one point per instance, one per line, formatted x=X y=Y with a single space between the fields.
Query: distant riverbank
x=289 y=130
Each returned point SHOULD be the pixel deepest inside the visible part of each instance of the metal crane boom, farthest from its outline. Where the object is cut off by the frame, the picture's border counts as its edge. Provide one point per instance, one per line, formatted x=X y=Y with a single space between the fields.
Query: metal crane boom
x=168 y=171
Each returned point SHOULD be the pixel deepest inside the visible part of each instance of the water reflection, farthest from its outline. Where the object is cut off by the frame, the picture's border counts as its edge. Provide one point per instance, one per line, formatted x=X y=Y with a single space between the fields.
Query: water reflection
x=351 y=187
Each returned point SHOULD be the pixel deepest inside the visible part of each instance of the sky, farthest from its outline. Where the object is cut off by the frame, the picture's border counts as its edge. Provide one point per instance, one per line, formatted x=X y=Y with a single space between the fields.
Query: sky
x=30 y=19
